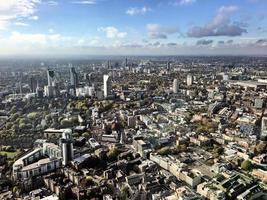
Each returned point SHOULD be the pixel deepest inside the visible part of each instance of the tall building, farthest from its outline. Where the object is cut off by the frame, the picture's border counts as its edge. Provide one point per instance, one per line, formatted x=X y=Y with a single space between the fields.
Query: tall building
x=175 y=86
x=168 y=66
x=39 y=91
x=264 y=128
x=51 y=90
x=107 y=85
x=189 y=80
x=33 y=84
x=67 y=146
x=50 y=77
x=73 y=77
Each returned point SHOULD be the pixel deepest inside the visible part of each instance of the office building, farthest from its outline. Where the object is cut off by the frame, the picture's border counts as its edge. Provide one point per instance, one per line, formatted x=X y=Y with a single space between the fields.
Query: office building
x=189 y=80
x=107 y=86
x=175 y=86
x=67 y=146
x=264 y=128
x=73 y=78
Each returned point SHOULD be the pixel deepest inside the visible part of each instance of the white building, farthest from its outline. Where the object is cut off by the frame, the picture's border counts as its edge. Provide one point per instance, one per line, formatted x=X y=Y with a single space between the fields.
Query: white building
x=107 y=85
x=189 y=80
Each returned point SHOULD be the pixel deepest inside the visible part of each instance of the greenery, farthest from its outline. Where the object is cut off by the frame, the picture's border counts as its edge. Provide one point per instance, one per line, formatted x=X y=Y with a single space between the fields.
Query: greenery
x=246 y=165
x=113 y=153
x=9 y=155
x=261 y=148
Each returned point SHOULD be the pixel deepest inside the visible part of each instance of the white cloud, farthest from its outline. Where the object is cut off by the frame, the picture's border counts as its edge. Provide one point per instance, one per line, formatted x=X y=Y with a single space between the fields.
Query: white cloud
x=14 y=9
x=34 y=17
x=135 y=11
x=51 y=3
x=88 y=2
x=112 y=32
x=183 y=2
x=156 y=31
x=21 y=24
x=220 y=25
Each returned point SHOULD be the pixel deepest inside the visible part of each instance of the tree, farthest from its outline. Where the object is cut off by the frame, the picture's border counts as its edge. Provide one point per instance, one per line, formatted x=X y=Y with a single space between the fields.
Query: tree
x=8 y=125
x=261 y=148
x=246 y=165
x=164 y=151
x=86 y=135
x=33 y=115
x=113 y=153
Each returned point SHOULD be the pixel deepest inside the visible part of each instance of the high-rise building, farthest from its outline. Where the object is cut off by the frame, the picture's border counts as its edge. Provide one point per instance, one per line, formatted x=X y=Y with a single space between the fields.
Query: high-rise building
x=189 y=80
x=39 y=91
x=168 y=66
x=51 y=90
x=73 y=77
x=50 y=77
x=264 y=128
x=67 y=146
x=175 y=86
x=33 y=84
x=107 y=85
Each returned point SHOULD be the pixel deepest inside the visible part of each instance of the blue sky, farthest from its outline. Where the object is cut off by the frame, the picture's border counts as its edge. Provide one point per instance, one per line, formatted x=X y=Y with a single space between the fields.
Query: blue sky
x=133 y=27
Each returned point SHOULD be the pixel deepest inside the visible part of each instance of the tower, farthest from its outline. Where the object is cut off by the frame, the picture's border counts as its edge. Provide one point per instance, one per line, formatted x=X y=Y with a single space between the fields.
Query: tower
x=39 y=91
x=175 y=86
x=67 y=146
x=73 y=77
x=50 y=77
x=189 y=80
x=107 y=85
x=33 y=84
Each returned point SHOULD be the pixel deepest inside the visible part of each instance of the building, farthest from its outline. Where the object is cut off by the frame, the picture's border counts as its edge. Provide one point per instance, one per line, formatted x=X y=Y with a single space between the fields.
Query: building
x=73 y=77
x=175 y=86
x=67 y=146
x=189 y=80
x=264 y=128
x=107 y=85
x=33 y=84
x=34 y=163
x=73 y=80
x=50 y=77
x=50 y=90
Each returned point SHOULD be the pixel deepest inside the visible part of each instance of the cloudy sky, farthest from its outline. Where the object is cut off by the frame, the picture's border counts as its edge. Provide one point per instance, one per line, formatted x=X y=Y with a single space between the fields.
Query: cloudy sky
x=133 y=27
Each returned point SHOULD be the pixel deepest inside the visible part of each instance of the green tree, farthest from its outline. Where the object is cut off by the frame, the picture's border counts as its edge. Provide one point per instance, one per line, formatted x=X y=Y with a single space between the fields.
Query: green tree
x=246 y=165
x=261 y=148
x=113 y=153
x=86 y=135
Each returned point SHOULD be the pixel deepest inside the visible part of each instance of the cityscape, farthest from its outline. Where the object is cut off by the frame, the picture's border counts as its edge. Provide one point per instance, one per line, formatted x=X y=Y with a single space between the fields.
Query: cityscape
x=92 y=106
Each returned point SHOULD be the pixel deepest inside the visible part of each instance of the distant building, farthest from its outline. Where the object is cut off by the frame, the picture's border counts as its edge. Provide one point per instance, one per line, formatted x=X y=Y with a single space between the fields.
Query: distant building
x=50 y=90
x=73 y=80
x=107 y=85
x=264 y=128
x=33 y=84
x=189 y=80
x=175 y=86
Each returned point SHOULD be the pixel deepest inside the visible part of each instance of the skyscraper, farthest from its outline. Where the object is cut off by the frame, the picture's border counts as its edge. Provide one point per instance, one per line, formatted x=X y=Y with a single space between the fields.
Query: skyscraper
x=175 y=86
x=73 y=77
x=50 y=77
x=51 y=89
x=263 y=134
x=189 y=80
x=107 y=85
x=67 y=146
x=33 y=84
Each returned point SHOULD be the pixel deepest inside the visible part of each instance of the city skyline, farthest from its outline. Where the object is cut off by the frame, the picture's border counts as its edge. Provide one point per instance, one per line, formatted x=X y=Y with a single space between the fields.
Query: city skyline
x=144 y=27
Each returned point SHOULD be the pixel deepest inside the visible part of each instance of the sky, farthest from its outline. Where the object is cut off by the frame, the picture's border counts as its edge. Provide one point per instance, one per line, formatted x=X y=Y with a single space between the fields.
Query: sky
x=133 y=27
